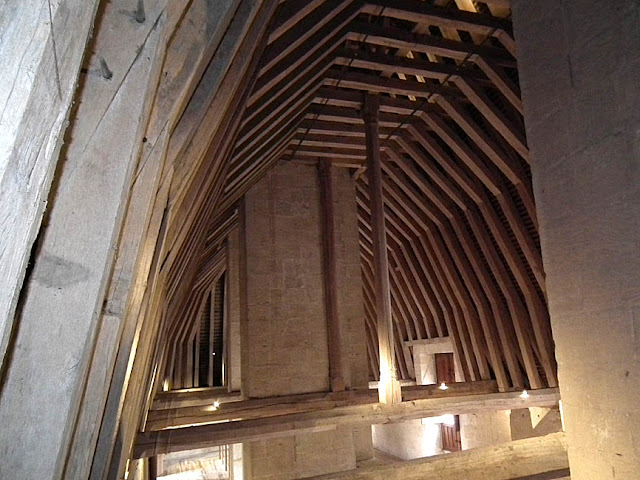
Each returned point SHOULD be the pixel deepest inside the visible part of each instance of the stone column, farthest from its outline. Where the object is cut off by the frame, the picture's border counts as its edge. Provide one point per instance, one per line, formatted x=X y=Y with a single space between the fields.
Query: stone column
x=389 y=387
x=234 y=363
x=579 y=65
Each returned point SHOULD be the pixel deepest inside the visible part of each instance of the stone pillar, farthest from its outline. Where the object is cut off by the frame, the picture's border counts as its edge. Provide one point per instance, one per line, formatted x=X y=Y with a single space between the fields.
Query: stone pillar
x=234 y=363
x=286 y=330
x=485 y=429
x=579 y=65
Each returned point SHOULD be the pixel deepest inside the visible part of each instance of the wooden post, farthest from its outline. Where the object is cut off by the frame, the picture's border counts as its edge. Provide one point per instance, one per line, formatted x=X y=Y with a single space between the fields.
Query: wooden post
x=389 y=387
x=153 y=468
x=334 y=339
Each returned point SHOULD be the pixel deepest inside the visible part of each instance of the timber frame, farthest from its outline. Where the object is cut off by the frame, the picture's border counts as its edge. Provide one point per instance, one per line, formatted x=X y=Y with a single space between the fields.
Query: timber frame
x=220 y=95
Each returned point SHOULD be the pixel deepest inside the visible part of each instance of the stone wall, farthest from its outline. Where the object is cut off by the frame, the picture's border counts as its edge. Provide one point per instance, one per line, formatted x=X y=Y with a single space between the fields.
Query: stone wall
x=485 y=429
x=287 y=341
x=579 y=65
x=287 y=334
x=301 y=456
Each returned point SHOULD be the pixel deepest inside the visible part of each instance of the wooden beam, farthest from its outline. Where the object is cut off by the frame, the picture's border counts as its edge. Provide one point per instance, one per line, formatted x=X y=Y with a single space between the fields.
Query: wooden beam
x=421 y=12
x=300 y=32
x=40 y=70
x=226 y=432
x=375 y=83
x=389 y=386
x=405 y=65
x=288 y=14
x=334 y=337
x=365 y=32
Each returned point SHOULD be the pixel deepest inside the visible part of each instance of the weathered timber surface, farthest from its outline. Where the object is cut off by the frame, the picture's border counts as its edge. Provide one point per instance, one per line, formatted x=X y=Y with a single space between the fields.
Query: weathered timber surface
x=193 y=40
x=65 y=293
x=153 y=443
x=533 y=458
x=41 y=55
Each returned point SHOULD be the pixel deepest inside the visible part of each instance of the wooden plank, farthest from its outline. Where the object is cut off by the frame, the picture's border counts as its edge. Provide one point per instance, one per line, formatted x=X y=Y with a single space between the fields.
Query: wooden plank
x=205 y=117
x=173 y=440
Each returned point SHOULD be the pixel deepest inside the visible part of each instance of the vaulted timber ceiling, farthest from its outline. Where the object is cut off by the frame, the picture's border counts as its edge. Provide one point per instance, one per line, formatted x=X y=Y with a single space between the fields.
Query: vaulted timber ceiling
x=460 y=214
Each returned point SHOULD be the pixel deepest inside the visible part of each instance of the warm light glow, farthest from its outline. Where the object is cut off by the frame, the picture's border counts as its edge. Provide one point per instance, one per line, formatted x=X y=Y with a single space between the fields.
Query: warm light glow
x=449 y=419
x=165 y=386
x=126 y=470
x=524 y=395
x=216 y=404
x=443 y=386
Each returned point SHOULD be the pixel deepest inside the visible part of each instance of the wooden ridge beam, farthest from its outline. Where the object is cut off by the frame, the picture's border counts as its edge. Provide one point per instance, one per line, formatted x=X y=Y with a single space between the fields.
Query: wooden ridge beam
x=226 y=432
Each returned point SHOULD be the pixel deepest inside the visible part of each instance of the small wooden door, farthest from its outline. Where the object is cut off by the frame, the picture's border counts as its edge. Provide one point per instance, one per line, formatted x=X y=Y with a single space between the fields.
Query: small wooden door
x=445 y=372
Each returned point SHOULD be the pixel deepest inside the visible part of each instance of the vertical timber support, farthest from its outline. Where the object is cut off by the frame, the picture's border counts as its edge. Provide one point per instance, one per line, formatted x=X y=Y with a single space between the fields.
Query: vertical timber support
x=334 y=339
x=389 y=387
